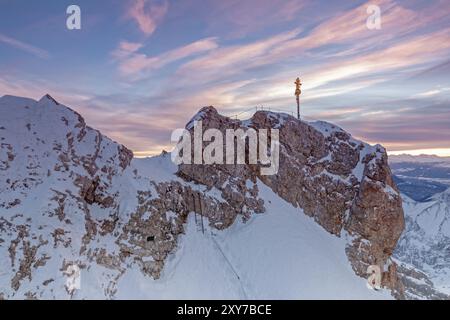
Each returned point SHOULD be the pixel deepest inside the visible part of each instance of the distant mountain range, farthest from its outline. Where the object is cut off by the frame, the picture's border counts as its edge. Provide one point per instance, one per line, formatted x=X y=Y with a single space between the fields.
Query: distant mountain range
x=425 y=244
x=421 y=177
x=424 y=248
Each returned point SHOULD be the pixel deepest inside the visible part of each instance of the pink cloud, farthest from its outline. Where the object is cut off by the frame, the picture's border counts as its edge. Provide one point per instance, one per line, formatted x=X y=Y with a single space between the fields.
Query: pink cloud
x=37 y=89
x=350 y=28
x=125 y=49
x=416 y=51
x=135 y=64
x=347 y=28
x=130 y=46
x=148 y=14
x=421 y=127
x=229 y=60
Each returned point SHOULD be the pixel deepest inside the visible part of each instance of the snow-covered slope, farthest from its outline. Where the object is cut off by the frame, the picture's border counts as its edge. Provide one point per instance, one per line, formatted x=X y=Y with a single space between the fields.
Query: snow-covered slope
x=75 y=205
x=425 y=243
x=280 y=254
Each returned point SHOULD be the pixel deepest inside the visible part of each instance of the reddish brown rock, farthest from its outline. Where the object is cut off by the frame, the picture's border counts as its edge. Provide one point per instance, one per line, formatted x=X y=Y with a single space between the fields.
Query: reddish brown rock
x=344 y=184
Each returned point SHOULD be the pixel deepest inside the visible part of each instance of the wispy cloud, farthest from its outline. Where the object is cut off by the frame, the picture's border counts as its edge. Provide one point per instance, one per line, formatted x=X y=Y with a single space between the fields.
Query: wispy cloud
x=414 y=127
x=38 y=52
x=432 y=92
x=409 y=53
x=132 y=63
x=346 y=28
x=243 y=17
x=148 y=14
x=226 y=61
x=440 y=152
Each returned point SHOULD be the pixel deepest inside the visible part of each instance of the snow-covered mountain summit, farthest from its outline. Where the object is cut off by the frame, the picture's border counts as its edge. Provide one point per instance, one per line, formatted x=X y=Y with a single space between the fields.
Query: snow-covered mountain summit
x=75 y=203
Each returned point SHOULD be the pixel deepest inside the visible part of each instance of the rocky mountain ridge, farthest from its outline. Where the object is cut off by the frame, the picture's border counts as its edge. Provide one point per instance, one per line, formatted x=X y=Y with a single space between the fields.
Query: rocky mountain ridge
x=344 y=184
x=72 y=197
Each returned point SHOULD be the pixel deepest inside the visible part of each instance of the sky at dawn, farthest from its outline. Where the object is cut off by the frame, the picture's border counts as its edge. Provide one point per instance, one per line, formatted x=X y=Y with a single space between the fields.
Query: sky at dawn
x=138 y=69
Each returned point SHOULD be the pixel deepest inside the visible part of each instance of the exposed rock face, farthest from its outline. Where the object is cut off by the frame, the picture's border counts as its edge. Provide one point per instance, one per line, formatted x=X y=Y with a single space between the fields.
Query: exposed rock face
x=95 y=206
x=156 y=236
x=344 y=184
x=376 y=215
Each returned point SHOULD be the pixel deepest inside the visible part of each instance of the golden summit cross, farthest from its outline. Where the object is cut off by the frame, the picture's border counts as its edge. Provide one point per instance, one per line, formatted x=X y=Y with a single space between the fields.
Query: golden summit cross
x=298 y=92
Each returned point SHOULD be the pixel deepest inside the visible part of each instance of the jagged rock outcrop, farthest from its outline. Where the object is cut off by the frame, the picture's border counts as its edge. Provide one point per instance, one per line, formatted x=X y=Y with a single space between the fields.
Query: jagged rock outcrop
x=344 y=184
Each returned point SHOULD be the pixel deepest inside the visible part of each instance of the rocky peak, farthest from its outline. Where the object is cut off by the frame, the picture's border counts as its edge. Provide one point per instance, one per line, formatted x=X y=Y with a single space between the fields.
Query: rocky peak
x=47 y=98
x=345 y=185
